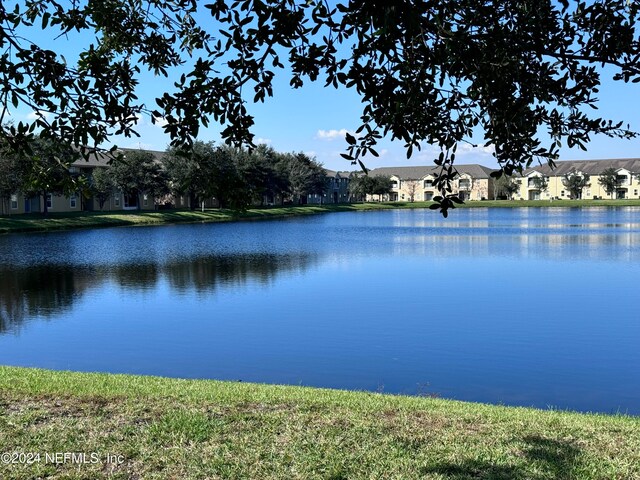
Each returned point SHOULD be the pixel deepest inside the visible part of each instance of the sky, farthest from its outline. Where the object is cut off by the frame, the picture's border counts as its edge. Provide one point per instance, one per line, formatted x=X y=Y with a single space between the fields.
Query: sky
x=314 y=120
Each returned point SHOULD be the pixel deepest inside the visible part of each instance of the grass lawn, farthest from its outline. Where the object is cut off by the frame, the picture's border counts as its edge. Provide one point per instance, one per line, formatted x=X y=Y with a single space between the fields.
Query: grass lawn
x=158 y=428
x=61 y=221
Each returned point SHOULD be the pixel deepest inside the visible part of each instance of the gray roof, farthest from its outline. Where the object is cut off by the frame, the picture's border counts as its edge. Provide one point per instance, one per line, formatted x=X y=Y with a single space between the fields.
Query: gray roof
x=589 y=167
x=333 y=173
x=103 y=159
x=415 y=173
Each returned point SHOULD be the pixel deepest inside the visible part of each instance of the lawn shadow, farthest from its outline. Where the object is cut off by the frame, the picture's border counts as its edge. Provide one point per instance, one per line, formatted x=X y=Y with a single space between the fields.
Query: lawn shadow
x=545 y=458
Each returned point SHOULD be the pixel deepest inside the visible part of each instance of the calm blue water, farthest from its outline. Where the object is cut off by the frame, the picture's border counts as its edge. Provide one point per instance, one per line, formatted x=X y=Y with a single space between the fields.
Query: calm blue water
x=534 y=307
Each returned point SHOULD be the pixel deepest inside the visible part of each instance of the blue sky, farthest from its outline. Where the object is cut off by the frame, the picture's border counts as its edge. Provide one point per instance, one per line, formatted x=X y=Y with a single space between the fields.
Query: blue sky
x=313 y=119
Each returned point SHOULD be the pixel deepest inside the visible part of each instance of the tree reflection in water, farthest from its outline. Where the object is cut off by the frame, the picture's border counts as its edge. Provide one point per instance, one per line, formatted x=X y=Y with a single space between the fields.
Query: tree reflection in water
x=45 y=291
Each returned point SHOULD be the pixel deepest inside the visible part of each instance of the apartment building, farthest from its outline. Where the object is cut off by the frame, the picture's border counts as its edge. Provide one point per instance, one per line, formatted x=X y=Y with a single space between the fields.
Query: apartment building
x=337 y=189
x=627 y=172
x=77 y=202
x=413 y=184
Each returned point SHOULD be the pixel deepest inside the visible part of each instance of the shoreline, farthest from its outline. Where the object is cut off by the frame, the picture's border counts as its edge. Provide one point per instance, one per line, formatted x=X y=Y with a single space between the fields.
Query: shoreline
x=82 y=220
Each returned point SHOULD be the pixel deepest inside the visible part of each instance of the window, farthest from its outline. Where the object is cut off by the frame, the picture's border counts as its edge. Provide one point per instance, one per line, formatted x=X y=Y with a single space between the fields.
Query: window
x=622 y=179
x=145 y=200
x=14 y=202
x=562 y=193
x=464 y=184
x=531 y=182
x=635 y=192
x=428 y=183
x=394 y=184
x=428 y=196
x=116 y=199
x=73 y=201
x=49 y=200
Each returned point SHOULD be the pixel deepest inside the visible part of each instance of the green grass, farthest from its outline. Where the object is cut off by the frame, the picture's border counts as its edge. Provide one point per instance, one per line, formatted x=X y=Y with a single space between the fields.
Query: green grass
x=191 y=429
x=61 y=221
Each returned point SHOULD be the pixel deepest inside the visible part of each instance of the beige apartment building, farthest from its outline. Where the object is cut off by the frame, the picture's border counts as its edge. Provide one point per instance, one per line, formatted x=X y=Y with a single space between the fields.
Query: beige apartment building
x=627 y=171
x=416 y=184
x=19 y=203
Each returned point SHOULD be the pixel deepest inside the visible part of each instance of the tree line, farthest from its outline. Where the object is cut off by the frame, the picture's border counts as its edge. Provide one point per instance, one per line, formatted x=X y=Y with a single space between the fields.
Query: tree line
x=234 y=177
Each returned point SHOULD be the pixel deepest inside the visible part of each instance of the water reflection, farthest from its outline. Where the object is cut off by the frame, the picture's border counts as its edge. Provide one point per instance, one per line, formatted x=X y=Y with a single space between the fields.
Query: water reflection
x=534 y=220
x=206 y=275
x=39 y=291
x=138 y=276
x=352 y=300
x=44 y=291
x=609 y=247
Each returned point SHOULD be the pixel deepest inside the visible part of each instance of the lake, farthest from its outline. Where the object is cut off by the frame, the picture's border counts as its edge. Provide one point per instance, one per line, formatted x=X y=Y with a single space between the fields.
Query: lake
x=531 y=307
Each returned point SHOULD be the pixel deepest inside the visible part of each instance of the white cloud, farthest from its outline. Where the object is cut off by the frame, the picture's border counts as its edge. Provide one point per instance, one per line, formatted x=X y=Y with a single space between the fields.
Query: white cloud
x=262 y=141
x=465 y=148
x=330 y=135
x=429 y=153
x=37 y=114
x=159 y=122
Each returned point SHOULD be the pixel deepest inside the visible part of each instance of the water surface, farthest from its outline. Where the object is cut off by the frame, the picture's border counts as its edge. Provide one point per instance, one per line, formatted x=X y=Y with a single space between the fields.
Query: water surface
x=534 y=307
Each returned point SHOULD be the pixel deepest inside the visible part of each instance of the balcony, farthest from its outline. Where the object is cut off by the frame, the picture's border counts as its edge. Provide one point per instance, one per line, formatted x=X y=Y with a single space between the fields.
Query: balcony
x=623 y=180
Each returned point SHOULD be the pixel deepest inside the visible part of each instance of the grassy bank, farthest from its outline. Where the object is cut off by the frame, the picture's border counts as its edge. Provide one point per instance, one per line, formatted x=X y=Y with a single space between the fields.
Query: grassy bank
x=167 y=428
x=61 y=221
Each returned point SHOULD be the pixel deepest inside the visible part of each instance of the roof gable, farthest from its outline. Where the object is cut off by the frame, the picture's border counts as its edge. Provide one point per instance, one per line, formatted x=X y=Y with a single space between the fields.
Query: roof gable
x=420 y=172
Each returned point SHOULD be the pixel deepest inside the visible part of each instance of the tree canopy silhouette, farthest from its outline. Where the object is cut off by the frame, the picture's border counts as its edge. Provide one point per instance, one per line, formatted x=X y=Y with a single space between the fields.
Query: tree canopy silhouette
x=524 y=73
